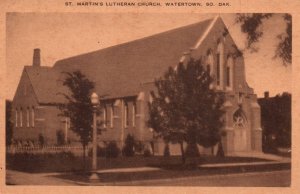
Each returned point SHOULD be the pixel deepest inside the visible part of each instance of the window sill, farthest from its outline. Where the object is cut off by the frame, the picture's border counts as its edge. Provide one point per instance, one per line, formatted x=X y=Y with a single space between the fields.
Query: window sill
x=218 y=87
x=228 y=88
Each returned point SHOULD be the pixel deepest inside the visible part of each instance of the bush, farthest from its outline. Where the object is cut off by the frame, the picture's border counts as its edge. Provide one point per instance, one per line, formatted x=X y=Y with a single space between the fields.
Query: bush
x=139 y=147
x=128 y=149
x=26 y=156
x=147 y=153
x=65 y=154
x=100 y=152
x=220 y=152
x=112 y=150
x=167 y=151
x=270 y=147
x=60 y=137
x=192 y=150
x=41 y=140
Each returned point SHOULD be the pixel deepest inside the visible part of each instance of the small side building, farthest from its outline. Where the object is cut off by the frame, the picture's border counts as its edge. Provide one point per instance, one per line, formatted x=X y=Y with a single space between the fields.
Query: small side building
x=36 y=115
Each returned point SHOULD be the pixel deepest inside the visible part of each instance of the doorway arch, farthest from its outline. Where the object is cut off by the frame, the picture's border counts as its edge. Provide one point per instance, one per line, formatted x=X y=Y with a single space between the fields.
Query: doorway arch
x=240 y=126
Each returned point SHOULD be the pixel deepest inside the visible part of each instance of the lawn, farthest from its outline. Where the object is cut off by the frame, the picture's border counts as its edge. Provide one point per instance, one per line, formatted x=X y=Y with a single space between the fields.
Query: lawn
x=69 y=163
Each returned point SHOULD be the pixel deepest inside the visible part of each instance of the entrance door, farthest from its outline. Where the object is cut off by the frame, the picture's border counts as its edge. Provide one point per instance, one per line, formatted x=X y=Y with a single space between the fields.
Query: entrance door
x=240 y=127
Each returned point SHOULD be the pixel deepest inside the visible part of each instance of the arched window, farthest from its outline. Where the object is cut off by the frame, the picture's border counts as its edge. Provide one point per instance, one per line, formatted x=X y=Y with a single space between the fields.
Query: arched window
x=239 y=119
x=133 y=114
x=32 y=117
x=112 y=116
x=126 y=120
x=229 y=73
x=210 y=62
x=104 y=117
x=16 y=119
x=27 y=117
x=21 y=117
x=220 y=64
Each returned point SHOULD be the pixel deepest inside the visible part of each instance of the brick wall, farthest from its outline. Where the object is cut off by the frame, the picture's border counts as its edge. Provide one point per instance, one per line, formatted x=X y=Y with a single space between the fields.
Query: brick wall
x=44 y=121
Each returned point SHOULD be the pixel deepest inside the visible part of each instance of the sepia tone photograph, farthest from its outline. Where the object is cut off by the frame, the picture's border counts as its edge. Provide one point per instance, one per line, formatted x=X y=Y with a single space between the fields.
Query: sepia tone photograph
x=148 y=99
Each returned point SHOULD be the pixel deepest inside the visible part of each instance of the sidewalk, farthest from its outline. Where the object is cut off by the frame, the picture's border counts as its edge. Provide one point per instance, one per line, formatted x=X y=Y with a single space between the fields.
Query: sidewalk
x=140 y=169
x=22 y=178
x=274 y=159
x=262 y=156
x=221 y=165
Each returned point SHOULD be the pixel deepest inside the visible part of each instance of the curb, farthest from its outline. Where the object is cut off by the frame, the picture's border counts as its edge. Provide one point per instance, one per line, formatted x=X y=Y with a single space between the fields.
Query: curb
x=239 y=164
x=153 y=181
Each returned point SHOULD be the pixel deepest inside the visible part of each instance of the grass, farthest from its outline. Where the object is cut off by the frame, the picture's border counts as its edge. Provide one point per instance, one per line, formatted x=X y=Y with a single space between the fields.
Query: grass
x=69 y=163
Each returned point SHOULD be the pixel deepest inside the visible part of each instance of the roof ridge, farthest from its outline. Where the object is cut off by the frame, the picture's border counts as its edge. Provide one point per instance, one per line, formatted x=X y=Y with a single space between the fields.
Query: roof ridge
x=208 y=29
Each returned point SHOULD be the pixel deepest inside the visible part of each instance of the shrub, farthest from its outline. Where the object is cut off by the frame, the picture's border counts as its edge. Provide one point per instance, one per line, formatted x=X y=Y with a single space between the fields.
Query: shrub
x=269 y=146
x=101 y=152
x=220 y=152
x=26 y=156
x=112 y=150
x=67 y=154
x=41 y=140
x=147 y=153
x=167 y=151
x=139 y=147
x=128 y=149
x=60 y=137
x=192 y=150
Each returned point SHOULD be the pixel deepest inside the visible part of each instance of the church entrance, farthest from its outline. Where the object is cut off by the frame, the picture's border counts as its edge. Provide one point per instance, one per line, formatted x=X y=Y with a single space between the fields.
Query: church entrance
x=240 y=131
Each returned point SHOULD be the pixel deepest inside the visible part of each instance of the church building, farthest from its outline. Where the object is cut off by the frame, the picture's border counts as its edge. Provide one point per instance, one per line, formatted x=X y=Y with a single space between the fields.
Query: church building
x=125 y=74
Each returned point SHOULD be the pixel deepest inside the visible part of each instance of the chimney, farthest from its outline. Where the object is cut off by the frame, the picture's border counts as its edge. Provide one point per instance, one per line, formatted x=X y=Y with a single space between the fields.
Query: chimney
x=36 y=58
x=266 y=94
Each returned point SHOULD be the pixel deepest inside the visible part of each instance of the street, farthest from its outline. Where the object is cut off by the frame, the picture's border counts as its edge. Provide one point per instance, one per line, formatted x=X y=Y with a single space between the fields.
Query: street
x=253 y=179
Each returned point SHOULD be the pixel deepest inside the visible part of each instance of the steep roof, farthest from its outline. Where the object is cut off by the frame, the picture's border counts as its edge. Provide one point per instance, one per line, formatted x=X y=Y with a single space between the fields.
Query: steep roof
x=122 y=69
x=46 y=84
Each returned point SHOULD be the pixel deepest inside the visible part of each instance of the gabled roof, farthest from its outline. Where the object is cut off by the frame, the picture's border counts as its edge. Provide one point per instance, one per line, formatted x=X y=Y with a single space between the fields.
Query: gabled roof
x=121 y=70
x=46 y=84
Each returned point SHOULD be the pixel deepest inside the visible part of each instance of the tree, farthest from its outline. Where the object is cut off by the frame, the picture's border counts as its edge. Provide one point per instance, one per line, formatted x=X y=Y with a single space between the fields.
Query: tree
x=60 y=137
x=251 y=25
x=276 y=121
x=128 y=149
x=8 y=122
x=78 y=106
x=185 y=109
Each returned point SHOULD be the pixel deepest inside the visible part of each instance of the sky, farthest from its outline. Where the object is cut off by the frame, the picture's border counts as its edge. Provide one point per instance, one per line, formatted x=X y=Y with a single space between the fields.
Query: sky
x=62 y=35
